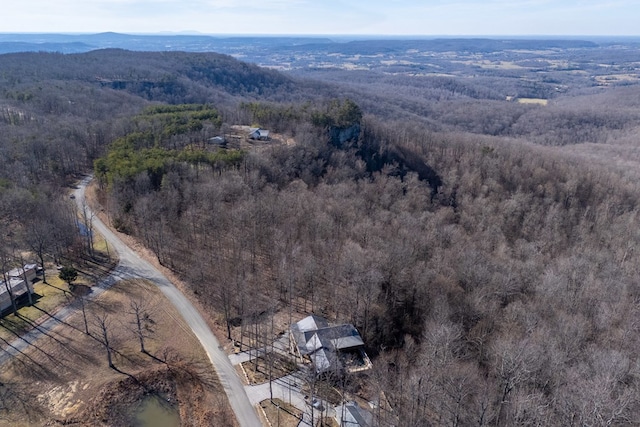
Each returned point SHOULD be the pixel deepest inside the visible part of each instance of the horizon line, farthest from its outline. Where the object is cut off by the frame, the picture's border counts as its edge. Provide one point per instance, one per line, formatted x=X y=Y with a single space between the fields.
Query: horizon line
x=187 y=33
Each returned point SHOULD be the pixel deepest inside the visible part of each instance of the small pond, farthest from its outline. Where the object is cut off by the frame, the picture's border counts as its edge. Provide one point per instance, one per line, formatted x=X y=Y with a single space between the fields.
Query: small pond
x=154 y=411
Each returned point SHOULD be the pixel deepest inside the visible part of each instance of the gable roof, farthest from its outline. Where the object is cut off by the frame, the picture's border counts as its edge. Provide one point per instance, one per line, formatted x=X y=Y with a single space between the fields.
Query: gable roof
x=324 y=360
x=217 y=139
x=312 y=323
x=20 y=272
x=258 y=133
x=316 y=339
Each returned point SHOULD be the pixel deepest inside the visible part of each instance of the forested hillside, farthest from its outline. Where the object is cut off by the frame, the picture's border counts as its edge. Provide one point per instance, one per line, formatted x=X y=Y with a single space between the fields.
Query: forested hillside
x=58 y=113
x=504 y=295
x=486 y=250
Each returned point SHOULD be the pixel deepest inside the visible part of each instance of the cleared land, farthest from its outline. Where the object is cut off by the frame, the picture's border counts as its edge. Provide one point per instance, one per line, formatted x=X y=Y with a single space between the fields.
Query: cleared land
x=64 y=377
x=538 y=101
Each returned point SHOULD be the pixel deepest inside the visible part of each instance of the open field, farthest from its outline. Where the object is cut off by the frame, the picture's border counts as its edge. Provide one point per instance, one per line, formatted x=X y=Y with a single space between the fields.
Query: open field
x=66 y=378
x=610 y=79
x=534 y=101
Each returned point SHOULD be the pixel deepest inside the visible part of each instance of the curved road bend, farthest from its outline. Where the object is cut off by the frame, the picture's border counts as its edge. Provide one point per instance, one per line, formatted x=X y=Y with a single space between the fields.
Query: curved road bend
x=132 y=266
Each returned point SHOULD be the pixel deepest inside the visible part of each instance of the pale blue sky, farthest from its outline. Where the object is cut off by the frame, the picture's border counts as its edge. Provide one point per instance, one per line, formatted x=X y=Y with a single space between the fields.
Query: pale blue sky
x=393 y=17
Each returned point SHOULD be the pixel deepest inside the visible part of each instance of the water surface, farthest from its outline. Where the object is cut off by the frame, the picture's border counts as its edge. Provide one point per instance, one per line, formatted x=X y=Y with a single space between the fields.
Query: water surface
x=154 y=411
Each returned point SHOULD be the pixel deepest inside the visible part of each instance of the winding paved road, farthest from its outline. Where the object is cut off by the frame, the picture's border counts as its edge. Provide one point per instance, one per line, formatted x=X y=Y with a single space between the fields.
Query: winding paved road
x=133 y=266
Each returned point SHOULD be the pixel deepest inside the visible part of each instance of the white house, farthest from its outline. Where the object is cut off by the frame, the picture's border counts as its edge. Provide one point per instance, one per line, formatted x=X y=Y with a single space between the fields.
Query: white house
x=28 y=272
x=258 y=134
x=18 y=288
x=17 y=284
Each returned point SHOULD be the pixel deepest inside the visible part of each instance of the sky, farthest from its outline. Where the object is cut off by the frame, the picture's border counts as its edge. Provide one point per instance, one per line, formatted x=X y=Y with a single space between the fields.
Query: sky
x=325 y=17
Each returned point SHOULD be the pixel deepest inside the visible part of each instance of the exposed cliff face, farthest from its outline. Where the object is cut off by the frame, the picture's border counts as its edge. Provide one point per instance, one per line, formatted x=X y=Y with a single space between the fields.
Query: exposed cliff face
x=340 y=136
x=378 y=153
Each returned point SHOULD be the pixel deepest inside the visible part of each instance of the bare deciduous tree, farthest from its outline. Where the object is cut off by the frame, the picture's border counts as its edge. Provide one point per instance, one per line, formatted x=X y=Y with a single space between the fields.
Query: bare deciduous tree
x=142 y=322
x=103 y=323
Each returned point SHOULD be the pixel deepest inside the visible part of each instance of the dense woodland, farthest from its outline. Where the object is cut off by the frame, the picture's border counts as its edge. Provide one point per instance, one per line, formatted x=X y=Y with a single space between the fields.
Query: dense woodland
x=486 y=250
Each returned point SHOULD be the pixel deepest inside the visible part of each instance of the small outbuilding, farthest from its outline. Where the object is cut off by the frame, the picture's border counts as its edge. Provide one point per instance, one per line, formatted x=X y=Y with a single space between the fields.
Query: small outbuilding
x=218 y=140
x=259 y=134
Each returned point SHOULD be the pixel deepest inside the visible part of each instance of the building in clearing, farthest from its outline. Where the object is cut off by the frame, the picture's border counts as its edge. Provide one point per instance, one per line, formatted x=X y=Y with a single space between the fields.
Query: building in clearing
x=19 y=283
x=335 y=348
x=218 y=140
x=258 y=134
x=28 y=272
x=18 y=287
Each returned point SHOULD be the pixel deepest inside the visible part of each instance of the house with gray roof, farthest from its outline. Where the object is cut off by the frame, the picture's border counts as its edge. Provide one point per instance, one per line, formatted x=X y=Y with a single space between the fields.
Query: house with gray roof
x=14 y=288
x=27 y=272
x=259 y=134
x=329 y=347
x=16 y=283
x=218 y=140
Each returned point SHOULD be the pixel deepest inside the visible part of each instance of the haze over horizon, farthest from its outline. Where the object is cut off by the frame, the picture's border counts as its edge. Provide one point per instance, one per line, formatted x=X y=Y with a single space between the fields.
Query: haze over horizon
x=305 y=17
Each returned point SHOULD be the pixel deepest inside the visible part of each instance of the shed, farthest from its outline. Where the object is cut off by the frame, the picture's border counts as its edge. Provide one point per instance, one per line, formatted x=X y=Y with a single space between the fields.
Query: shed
x=218 y=140
x=258 y=134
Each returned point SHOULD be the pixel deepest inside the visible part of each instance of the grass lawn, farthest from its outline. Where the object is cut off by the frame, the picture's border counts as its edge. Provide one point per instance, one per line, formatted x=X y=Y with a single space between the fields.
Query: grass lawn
x=260 y=374
x=47 y=298
x=280 y=413
x=328 y=422
x=538 y=101
x=65 y=377
x=325 y=391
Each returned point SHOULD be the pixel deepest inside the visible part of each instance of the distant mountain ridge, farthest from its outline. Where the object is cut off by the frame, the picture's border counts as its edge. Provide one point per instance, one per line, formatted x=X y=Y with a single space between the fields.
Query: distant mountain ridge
x=160 y=76
x=77 y=43
x=71 y=47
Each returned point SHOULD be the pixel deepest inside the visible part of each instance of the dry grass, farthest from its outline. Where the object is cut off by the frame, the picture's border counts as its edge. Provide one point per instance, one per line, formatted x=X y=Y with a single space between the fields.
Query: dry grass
x=616 y=78
x=538 y=101
x=280 y=413
x=328 y=422
x=49 y=297
x=326 y=391
x=257 y=370
x=62 y=373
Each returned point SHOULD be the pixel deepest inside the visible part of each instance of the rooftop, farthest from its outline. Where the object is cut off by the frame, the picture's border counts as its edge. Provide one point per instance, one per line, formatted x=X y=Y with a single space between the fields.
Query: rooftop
x=321 y=342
